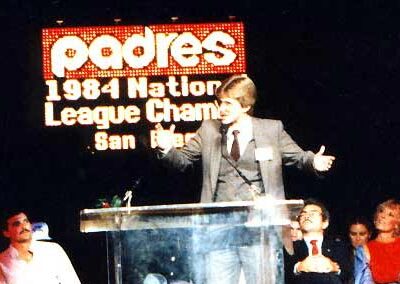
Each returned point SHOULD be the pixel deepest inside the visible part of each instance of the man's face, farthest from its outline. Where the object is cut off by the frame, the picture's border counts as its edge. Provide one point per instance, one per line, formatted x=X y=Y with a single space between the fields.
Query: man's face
x=19 y=229
x=230 y=110
x=310 y=219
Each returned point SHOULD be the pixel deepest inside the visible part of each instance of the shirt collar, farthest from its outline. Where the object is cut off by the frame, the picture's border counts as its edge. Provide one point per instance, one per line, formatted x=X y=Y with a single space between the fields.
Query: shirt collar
x=319 y=239
x=245 y=127
x=13 y=252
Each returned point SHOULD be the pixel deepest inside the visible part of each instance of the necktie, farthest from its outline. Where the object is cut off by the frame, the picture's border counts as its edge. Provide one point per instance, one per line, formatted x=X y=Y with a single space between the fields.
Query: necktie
x=235 y=151
x=314 y=248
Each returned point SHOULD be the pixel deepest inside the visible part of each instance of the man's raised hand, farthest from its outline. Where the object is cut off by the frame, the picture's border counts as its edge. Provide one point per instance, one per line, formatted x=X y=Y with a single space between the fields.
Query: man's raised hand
x=322 y=162
x=164 y=137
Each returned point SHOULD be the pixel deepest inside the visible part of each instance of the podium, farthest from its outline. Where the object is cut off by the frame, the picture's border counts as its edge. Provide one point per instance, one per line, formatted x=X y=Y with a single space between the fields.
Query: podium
x=171 y=243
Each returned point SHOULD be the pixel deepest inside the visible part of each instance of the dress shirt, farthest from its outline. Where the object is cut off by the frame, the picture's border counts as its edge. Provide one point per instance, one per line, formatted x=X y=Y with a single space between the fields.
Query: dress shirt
x=319 y=244
x=49 y=265
x=244 y=137
x=307 y=240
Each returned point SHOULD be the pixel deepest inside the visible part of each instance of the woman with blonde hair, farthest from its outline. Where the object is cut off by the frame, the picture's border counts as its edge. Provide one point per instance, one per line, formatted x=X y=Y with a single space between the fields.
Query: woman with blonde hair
x=383 y=252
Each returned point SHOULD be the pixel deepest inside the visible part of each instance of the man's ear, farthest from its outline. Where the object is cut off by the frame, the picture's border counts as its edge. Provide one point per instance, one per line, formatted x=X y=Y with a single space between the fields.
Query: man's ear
x=246 y=109
x=6 y=234
x=325 y=224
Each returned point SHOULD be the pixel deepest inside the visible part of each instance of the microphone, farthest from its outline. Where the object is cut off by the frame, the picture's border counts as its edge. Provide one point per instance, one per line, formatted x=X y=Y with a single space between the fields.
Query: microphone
x=223 y=129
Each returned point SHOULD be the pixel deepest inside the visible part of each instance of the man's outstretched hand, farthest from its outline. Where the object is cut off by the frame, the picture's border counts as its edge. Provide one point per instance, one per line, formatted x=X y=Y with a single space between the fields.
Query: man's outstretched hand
x=164 y=137
x=322 y=162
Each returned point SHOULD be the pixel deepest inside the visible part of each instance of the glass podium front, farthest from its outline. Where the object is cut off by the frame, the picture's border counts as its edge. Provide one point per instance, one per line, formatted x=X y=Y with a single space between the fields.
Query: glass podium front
x=173 y=243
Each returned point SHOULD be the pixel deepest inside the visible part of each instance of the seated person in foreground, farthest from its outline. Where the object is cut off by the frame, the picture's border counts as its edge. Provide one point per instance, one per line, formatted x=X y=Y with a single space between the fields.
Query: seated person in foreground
x=317 y=259
x=27 y=261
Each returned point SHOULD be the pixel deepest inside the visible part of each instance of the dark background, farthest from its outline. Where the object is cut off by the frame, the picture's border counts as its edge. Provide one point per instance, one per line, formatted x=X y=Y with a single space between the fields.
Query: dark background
x=329 y=71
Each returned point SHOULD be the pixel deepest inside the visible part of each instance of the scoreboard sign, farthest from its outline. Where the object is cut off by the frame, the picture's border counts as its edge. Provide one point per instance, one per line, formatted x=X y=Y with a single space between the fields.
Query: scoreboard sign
x=114 y=79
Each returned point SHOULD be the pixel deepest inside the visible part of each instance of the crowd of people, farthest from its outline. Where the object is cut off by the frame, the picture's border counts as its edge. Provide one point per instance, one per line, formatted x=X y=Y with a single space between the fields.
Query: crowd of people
x=369 y=255
x=241 y=159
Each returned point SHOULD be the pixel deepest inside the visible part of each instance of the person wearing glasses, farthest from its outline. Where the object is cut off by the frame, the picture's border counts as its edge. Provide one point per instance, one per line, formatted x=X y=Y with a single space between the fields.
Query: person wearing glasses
x=317 y=258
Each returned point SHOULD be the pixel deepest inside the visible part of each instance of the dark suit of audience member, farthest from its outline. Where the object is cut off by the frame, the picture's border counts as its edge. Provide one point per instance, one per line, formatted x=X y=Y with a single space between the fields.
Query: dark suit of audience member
x=327 y=261
x=334 y=249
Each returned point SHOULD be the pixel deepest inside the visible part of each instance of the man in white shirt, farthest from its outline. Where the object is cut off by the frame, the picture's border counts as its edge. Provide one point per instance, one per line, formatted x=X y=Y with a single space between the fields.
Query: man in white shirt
x=28 y=261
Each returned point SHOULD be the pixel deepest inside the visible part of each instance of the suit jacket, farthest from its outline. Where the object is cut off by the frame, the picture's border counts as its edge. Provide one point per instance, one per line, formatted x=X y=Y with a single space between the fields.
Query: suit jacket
x=337 y=250
x=206 y=145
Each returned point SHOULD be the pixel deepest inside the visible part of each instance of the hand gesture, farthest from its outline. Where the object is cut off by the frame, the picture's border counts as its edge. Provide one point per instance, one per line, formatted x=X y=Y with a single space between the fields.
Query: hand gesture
x=164 y=137
x=325 y=264
x=322 y=162
x=319 y=264
x=309 y=264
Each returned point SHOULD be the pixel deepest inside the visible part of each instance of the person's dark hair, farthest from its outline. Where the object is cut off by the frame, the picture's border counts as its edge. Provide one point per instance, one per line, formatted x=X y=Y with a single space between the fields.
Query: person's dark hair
x=325 y=212
x=360 y=220
x=7 y=213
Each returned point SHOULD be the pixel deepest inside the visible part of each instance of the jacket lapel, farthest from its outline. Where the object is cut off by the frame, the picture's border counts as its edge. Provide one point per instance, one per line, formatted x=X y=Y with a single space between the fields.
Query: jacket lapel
x=261 y=141
x=215 y=159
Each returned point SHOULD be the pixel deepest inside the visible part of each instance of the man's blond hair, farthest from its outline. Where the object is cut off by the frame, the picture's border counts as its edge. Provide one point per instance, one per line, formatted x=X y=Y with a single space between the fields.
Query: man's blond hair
x=240 y=88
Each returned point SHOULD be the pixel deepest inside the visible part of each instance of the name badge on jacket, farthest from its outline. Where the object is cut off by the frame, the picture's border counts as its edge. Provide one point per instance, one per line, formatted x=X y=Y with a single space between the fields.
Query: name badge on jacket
x=264 y=154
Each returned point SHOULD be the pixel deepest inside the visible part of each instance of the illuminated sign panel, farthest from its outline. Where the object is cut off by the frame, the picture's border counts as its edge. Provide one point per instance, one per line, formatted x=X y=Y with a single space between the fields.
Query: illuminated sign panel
x=124 y=51
x=110 y=78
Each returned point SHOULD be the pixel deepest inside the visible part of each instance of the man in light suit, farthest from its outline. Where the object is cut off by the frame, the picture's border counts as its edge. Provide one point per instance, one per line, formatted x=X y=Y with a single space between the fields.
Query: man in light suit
x=258 y=148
